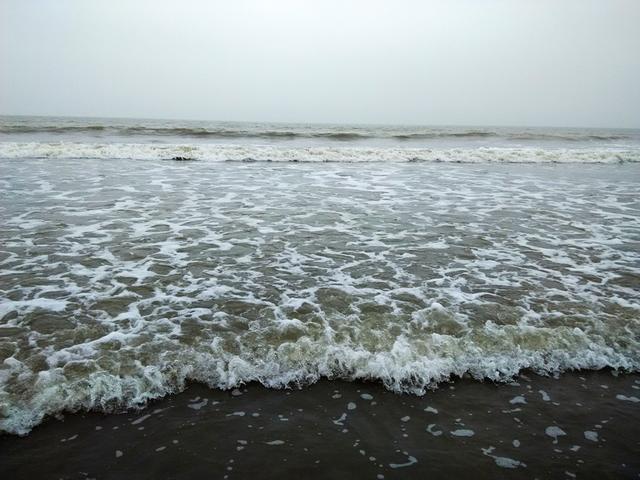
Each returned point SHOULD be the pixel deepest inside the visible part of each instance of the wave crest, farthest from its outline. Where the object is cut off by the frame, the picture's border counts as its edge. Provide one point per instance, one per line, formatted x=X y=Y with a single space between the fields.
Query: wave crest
x=220 y=153
x=337 y=133
x=403 y=368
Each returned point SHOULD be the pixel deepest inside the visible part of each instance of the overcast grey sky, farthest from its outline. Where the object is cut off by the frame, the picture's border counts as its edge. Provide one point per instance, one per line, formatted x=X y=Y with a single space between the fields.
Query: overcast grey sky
x=498 y=62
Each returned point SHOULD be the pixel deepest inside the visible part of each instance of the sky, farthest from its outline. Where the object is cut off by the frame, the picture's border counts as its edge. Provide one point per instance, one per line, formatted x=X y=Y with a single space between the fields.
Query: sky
x=454 y=62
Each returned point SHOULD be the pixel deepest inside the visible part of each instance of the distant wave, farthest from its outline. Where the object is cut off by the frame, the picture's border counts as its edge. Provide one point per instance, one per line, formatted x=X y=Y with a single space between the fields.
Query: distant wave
x=525 y=136
x=221 y=153
x=51 y=128
x=307 y=133
x=194 y=132
x=429 y=135
x=567 y=137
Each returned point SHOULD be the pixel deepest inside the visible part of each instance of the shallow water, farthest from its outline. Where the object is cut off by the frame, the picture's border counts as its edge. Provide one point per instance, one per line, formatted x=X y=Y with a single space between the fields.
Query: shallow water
x=123 y=279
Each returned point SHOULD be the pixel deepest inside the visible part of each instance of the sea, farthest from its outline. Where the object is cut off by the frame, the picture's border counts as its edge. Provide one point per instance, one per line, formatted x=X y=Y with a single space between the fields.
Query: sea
x=138 y=256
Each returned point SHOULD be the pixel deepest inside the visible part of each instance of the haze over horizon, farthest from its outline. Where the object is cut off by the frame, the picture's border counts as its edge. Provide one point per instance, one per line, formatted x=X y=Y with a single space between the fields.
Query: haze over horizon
x=492 y=62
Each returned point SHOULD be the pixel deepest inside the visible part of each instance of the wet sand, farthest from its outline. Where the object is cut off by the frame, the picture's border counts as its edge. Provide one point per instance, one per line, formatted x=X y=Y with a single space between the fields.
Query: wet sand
x=580 y=425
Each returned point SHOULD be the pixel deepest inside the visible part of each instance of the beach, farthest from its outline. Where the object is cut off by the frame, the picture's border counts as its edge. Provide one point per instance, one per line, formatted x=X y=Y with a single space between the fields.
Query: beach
x=328 y=301
x=577 y=425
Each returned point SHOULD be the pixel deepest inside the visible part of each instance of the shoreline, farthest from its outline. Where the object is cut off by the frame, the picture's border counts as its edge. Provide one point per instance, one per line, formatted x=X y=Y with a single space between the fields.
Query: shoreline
x=582 y=424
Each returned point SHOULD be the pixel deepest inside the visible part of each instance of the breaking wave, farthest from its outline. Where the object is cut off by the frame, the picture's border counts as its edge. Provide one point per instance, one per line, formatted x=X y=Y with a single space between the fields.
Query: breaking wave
x=409 y=365
x=220 y=153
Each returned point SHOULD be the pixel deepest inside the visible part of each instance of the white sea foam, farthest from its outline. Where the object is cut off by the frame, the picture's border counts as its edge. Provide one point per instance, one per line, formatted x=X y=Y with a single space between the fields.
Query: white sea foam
x=463 y=432
x=275 y=442
x=229 y=274
x=224 y=152
x=7 y=306
x=554 y=432
x=410 y=461
x=591 y=435
x=199 y=405
x=503 y=462
x=628 y=399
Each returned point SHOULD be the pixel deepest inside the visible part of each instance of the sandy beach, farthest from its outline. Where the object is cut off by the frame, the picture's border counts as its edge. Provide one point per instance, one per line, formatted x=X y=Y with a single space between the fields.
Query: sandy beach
x=579 y=425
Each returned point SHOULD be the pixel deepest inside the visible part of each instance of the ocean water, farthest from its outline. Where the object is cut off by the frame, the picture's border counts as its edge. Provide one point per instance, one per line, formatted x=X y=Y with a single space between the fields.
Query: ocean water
x=286 y=253
x=63 y=138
